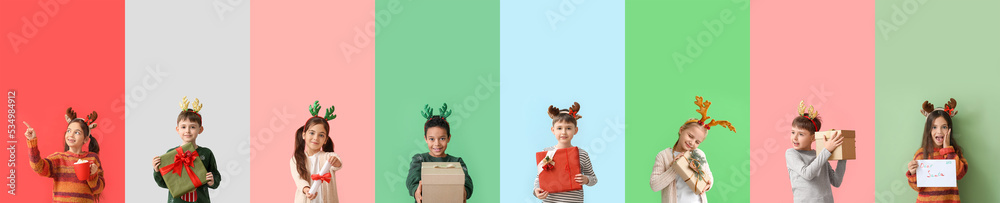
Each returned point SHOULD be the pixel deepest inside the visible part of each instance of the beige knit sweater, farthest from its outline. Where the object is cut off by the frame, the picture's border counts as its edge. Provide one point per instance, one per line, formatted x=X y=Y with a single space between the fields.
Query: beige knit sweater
x=664 y=177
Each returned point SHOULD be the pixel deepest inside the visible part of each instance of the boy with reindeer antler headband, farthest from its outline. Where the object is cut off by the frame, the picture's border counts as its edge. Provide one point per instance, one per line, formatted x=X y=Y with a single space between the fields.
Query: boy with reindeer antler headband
x=437 y=134
x=564 y=128
x=672 y=186
x=88 y=182
x=810 y=173
x=938 y=143
x=313 y=163
x=189 y=127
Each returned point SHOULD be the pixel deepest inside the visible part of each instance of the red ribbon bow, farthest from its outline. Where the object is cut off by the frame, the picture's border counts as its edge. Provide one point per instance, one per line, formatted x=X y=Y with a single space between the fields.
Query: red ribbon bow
x=572 y=114
x=183 y=161
x=324 y=177
x=948 y=109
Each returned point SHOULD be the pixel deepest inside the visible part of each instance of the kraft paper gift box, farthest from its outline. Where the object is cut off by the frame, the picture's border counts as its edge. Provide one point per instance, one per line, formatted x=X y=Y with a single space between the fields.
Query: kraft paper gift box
x=558 y=173
x=442 y=182
x=845 y=151
x=694 y=179
x=182 y=170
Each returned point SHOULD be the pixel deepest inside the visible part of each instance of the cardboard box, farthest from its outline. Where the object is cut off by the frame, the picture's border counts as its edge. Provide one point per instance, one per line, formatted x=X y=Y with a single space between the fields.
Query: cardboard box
x=846 y=151
x=181 y=178
x=683 y=168
x=561 y=175
x=443 y=182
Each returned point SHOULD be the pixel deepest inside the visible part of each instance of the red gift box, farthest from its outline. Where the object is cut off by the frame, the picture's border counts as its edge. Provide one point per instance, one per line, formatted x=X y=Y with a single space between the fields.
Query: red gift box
x=558 y=172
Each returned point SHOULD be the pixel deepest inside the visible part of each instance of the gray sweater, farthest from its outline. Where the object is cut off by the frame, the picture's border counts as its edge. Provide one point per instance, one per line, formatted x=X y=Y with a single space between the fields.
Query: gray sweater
x=811 y=176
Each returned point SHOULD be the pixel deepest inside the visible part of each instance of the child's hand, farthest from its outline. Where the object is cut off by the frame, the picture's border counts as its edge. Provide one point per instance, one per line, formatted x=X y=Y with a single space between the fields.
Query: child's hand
x=30 y=133
x=420 y=189
x=156 y=163
x=305 y=190
x=583 y=180
x=947 y=139
x=93 y=169
x=541 y=194
x=913 y=167
x=679 y=156
x=210 y=178
x=709 y=186
x=335 y=162
x=833 y=143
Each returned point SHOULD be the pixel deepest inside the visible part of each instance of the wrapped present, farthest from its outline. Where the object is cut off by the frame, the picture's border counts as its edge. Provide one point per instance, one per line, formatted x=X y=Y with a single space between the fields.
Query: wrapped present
x=844 y=152
x=182 y=170
x=442 y=182
x=557 y=170
x=690 y=168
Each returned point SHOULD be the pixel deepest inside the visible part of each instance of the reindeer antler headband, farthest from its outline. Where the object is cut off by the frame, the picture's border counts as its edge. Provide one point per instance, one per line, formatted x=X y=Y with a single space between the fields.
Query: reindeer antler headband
x=428 y=112
x=573 y=111
x=195 y=108
x=91 y=119
x=703 y=110
x=948 y=108
x=810 y=113
x=314 y=110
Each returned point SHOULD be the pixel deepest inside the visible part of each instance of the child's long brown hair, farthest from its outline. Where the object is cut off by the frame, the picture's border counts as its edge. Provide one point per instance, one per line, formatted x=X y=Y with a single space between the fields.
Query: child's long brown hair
x=300 y=145
x=928 y=142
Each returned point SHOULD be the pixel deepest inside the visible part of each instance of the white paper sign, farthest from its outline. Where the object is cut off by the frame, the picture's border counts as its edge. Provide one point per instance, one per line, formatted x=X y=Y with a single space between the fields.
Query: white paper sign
x=936 y=173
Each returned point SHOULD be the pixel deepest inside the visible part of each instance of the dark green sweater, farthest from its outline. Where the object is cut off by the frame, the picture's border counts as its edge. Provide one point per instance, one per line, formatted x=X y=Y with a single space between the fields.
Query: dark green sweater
x=413 y=178
x=208 y=159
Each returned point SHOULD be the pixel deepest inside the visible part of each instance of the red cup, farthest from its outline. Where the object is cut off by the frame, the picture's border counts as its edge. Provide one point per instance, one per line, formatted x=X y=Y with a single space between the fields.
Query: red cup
x=82 y=170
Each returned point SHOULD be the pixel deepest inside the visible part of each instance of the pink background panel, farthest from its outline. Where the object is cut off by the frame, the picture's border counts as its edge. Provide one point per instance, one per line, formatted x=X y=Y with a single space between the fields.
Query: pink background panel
x=823 y=53
x=297 y=59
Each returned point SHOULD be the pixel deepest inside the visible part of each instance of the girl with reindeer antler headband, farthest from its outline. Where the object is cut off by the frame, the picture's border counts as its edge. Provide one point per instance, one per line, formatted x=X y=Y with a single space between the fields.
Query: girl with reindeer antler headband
x=313 y=153
x=938 y=143
x=672 y=186
x=810 y=173
x=564 y=128
x=189 y=126
x=86 y=185
x=437 y=134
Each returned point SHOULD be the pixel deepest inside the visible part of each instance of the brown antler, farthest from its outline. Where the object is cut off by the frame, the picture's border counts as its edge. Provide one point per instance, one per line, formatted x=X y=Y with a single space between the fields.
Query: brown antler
x=952 y=103
x=576 y=110
x=927 y=108
x=70 y=114
x=92 y=119
x=725 y=124
x=702 y=108
x=553 y=112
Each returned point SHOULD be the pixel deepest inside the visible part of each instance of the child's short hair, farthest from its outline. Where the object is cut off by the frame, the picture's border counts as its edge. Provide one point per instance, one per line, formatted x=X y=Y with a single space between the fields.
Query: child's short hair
x=437 y=121
x=190 y=116
x=807 y=124
x=565 y=115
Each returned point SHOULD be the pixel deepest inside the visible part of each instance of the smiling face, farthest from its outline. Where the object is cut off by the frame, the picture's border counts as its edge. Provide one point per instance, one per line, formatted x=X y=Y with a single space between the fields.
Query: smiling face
x=75 y=136
x=437 y=141
x=189 y=130
x=940 y=129
x=315 y=137
x=802 y=139
x=689 y=137
x=564 y=131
